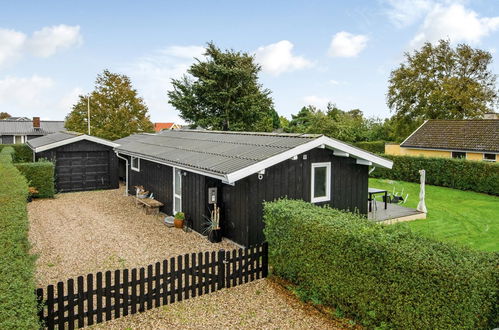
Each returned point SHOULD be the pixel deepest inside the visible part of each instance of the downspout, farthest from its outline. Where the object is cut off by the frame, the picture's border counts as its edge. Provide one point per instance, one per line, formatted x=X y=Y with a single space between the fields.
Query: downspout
x=372 y=169
x=126 y=171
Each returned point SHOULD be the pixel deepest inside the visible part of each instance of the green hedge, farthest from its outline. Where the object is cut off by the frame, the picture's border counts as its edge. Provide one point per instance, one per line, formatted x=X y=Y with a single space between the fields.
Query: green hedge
x=377 y=147
x=40 y=175
x=22 y=154
x=460 y=174
x=18 y=305
x=380 y=275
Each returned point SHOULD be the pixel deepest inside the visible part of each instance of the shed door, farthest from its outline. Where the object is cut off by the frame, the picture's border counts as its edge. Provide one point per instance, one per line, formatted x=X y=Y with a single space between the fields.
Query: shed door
x=82 y=170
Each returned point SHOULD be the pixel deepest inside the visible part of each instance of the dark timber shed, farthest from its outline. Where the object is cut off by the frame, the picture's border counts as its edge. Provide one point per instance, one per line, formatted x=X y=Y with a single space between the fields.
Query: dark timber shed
x=179 y=166
x=82 y=162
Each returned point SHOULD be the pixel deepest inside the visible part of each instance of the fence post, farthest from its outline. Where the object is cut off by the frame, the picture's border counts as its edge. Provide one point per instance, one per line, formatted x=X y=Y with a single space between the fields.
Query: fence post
x=221 y=269
x=265 y=260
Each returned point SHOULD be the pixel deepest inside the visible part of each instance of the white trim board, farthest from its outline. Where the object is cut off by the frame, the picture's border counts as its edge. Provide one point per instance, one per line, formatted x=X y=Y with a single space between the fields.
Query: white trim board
x=73 y=140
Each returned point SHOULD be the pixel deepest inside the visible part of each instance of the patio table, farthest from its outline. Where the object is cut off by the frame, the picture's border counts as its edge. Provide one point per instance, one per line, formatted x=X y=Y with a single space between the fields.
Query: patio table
x=374 y=191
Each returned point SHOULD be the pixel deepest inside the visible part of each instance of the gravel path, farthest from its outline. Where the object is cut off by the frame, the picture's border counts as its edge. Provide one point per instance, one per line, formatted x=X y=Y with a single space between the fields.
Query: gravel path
x=79 y=233
x=85 y=232
x=261 y=304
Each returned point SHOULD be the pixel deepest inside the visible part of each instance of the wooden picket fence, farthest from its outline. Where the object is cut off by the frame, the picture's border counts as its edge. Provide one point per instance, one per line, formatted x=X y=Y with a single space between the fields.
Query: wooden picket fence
x=102 y=297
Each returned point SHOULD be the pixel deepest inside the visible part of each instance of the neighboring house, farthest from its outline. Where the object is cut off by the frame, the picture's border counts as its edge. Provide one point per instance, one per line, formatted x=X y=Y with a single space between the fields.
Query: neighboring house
x=476 y=139
x=82 y=162
x=20 y=130
x=178 y=167
x=158 y=127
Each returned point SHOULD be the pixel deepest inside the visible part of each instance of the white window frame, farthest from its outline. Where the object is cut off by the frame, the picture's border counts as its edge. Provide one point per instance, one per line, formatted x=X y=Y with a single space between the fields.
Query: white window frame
x=489 y=160
x=326 y=198
x=175 y=169
x=24 y=138
x=136 y=169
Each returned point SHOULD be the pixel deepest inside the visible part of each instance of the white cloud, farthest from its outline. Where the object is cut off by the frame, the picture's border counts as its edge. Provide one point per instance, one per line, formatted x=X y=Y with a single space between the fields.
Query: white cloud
x=406 y=12
x=318 y=101
x=71 y=98
x=26 y=93
x=278 y=58
x=11 y=43
x=152 y=74
x=43 y=43
x=188 y=52
x=456 y=23
x=50 y=39
x=345 y=44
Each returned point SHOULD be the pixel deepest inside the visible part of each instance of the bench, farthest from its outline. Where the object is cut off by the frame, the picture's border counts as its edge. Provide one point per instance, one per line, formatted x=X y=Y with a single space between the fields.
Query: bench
x=150 y=205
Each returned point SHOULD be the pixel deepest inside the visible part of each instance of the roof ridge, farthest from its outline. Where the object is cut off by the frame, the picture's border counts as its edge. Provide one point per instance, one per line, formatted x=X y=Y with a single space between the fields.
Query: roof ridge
x=297 y=135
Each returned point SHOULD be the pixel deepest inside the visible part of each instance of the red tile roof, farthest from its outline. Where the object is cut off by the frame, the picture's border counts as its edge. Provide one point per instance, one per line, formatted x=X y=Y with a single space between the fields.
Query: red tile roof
x=158 y=127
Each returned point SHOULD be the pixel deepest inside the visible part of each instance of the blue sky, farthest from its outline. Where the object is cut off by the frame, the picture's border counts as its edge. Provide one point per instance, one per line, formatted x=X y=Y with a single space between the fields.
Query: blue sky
x=311 y=52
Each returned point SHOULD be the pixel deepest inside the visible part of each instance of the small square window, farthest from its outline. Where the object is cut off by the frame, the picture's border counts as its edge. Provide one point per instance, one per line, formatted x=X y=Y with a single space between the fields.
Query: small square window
x=19 y=139
x=458 y=154
x=135 y=164
x=321 y=182
x=489 y=157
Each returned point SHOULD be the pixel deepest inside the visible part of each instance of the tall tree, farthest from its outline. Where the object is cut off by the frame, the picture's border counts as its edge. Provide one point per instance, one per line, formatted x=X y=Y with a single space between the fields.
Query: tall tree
x=441 y=82
x=222 y=92
x=116 y=110
x=4 y=115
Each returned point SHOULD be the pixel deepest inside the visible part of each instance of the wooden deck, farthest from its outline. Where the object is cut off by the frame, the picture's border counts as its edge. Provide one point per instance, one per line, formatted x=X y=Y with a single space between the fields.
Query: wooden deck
x=394 y=213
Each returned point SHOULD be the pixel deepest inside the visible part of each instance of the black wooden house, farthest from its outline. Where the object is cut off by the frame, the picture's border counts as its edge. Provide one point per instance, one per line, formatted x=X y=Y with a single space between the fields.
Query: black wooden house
x=179 y=166
x=82 y=162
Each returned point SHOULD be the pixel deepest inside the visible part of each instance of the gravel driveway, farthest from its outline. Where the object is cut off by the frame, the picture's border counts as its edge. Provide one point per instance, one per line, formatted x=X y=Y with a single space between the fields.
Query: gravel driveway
x=85 y=232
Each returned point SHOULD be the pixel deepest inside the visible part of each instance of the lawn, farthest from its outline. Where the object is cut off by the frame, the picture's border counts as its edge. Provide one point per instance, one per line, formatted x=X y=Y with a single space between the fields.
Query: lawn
x=464 y=217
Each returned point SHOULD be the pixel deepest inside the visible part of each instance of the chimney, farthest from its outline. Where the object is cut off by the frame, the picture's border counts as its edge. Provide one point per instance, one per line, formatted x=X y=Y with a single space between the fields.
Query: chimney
x=36 y=122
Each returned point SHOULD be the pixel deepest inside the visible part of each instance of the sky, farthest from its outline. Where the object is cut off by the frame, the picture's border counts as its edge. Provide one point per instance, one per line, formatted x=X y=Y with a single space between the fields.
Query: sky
x=311 y=52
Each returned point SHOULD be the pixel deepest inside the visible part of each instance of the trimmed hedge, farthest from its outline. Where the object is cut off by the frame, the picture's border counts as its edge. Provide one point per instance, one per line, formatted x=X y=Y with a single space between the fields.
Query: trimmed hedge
x=18 y=306
x=377 y=147
x=384 y=276
x=22 y=154
x=40 y=175
x=478 y=176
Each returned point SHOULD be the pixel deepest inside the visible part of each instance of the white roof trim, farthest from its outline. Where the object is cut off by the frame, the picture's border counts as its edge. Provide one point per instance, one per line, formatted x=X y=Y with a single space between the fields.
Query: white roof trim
x=417 y=129
x=323 y=140
x=75 y=139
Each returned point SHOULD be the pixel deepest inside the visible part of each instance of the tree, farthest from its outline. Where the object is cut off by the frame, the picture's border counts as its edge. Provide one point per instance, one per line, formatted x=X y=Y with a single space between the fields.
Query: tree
x=4 y=115
x=441 y=82
x=222 y=92
x=116 y=110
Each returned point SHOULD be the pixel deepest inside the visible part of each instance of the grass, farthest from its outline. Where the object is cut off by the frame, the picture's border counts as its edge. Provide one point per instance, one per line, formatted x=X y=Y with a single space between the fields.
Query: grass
x=462 y=217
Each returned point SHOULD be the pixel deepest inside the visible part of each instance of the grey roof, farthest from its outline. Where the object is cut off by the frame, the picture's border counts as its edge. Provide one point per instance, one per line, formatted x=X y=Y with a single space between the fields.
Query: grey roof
x=50 y=138
x=23 y=127
x=211 y=151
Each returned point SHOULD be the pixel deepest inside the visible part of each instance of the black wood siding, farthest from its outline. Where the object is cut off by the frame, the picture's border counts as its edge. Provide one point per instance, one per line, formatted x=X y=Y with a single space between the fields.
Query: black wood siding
x=85 y=146
x=243 y=209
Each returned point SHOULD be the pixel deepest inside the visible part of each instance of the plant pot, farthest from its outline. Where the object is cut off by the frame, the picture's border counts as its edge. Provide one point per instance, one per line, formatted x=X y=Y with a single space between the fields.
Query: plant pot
x=178 y=223
x=142 y=196
x=215 y=235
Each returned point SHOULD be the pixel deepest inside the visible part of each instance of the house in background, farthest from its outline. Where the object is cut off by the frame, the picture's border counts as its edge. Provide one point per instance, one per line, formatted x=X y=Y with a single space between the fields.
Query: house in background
x=20 y=130
x=474 y=139
x=179 y=166
x=158 y=127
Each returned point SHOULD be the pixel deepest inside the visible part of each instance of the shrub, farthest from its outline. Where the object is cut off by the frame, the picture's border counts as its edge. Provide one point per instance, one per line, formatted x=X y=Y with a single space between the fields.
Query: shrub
x=22 y=153
x=460 y=174
x=18 y=305
x=40 y=175
x=380 y=275
x=377 y=147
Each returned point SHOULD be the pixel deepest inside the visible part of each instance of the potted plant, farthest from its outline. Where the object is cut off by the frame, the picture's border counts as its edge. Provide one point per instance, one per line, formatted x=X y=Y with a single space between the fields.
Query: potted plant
x=179 y=220
x=31 y=191
x=213 y=226
x=141 y=192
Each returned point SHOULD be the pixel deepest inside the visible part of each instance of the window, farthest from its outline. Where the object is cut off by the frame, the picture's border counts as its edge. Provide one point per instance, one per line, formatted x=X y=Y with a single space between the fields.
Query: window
x=321 y=182
x=18 y=139
x=489 y=157
x=458 y=154
x=135 y=164
x=177 y=191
